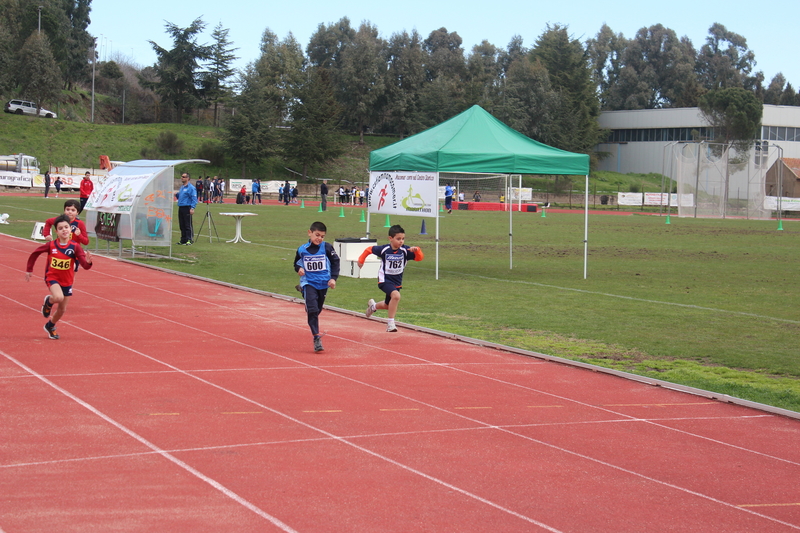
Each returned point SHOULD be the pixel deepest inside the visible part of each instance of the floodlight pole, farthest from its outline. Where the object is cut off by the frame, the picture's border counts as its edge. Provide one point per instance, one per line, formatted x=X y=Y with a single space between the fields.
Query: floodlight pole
x=40 y=19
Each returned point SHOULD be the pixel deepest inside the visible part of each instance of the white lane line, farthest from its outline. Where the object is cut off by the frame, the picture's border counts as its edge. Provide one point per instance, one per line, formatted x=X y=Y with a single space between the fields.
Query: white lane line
x=215 y=484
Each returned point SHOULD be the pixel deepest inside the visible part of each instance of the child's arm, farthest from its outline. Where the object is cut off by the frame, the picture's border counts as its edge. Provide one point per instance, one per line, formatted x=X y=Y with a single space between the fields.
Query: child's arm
x=417 y=251
x=333 y=257
x=84 y=258
x=32 y=259
x=80 y=234
x=297 y=262
x=363 y=256
x=47 y=231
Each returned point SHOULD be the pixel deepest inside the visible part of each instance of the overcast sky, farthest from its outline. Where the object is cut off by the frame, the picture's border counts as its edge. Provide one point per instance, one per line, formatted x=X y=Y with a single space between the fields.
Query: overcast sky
x=125 y=28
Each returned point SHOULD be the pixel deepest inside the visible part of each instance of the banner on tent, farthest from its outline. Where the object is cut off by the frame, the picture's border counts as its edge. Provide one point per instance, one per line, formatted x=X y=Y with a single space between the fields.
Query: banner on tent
x=404 y=193
x=118 y=193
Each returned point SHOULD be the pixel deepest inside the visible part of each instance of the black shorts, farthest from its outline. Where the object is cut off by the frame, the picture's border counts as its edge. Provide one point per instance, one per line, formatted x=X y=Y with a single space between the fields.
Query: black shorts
x=388 y=288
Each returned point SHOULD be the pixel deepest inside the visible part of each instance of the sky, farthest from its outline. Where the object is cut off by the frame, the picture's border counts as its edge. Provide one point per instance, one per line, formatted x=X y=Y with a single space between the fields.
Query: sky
x=123 y=29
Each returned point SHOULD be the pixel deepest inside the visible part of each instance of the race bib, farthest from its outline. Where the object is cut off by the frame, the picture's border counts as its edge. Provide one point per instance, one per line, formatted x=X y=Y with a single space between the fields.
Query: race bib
x=394 y=264
x=315 y=263
x=60 y=264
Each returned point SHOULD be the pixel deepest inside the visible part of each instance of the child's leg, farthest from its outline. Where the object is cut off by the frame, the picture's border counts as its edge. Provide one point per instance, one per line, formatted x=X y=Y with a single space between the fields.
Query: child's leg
x=315 y=299
x=60 y=310
x=393 y=303
x=58 y=300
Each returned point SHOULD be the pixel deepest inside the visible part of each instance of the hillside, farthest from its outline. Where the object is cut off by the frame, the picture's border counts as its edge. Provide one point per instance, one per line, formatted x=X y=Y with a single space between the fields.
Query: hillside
x=79 y=144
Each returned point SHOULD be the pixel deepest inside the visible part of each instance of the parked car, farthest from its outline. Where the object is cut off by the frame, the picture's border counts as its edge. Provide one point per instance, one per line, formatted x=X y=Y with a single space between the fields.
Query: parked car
x=24 y=107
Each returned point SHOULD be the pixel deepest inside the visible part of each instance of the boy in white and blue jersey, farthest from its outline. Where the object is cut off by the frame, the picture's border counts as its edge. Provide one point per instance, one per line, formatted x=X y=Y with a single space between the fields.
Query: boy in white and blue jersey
x=394 y=257
x=318 y=266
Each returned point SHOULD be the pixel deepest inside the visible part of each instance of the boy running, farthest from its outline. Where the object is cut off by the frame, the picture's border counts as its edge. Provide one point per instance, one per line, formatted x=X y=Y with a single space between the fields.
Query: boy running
x=62 y=255
x=394 y=257
x=71 y=210
x=318 y=266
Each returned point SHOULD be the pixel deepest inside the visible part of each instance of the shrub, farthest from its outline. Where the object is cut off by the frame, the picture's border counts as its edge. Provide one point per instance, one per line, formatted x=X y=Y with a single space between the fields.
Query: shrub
x=168 y=143
x=213 y=152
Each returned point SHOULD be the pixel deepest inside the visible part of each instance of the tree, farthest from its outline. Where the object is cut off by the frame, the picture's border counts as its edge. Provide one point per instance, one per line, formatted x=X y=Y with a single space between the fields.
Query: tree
x=78 y=42
x=220 y=69
x=39 y=76
x=725 y=61
x=656 y=69
x=313 y=137
x=533 y=105
x=605 y=59
x=735 y=114
x=567 y=64
x=362 y=78
x=328 y=42
x=773 y=93
x=404 y=80
x=178 y=69
x=445 y=55
x=483 y=78
x=249 y=133
x=280 y=68
x=6 y=59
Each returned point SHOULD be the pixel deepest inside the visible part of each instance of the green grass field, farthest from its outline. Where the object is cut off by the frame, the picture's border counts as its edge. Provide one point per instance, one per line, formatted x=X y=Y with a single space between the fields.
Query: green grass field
x=705 y=303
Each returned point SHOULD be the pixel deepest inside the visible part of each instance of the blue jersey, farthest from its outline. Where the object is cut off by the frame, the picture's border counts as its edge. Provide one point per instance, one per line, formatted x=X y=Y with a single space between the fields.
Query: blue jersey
x=448 y=191
x=393 y=262
x=320 y=263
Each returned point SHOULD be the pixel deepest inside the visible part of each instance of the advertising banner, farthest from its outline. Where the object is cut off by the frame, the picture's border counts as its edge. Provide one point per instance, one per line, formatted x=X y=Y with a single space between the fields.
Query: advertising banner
x=404 y=193
x=118 y=193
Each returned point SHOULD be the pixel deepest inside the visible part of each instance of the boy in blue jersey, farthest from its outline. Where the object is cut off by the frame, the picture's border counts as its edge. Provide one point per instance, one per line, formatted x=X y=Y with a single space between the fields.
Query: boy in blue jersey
x=394 y=257
x=318 y=266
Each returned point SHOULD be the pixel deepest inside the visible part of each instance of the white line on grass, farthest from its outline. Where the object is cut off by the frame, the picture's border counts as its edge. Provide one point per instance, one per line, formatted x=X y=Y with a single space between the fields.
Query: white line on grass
x=633 y=298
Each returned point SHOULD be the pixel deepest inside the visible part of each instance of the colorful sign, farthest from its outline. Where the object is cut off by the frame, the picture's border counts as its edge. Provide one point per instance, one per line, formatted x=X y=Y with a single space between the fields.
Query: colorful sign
x=404 y=193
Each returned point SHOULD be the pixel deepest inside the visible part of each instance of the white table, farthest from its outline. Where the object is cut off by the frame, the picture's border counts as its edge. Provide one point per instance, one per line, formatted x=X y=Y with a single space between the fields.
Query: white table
x=239 y=217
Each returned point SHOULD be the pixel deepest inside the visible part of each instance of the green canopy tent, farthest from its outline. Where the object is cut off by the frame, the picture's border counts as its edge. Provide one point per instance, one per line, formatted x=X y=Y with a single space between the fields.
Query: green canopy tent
x=476 y=142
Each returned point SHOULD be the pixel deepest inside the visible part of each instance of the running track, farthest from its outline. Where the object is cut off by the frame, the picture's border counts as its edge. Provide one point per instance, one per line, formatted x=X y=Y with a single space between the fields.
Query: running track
x=175 y=404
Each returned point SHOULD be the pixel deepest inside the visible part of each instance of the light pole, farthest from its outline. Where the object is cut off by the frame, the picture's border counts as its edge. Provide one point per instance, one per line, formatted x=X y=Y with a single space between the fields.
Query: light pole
x=94 y=62
x=40 y=19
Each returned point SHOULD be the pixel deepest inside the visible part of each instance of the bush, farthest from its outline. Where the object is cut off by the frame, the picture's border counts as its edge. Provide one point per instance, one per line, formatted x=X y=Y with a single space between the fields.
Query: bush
x=213 y=152
x=167 y=142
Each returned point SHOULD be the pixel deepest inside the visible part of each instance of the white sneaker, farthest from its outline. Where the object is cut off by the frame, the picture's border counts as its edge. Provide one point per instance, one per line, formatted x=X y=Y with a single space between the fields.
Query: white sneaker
x=391 y=328
x=370 y=308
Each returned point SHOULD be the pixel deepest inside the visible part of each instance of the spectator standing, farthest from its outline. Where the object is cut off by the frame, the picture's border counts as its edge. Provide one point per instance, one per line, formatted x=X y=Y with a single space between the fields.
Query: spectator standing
x=86 y=189
x=287 y=193
x=256 y=191
x=46 y=183
x=187 y=201
x=323 y=194
x=58 y=184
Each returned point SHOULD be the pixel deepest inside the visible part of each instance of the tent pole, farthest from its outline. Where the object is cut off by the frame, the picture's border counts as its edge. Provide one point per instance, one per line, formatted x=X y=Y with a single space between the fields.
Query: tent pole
x=586 y=230
x=437 y=245
x=509 y=205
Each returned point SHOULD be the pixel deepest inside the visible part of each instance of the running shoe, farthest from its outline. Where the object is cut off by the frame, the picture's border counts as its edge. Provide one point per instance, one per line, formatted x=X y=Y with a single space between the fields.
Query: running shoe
x=318 y=344
x=391 y=328
x=370 y=308
x=51 y=332
x=46 y=307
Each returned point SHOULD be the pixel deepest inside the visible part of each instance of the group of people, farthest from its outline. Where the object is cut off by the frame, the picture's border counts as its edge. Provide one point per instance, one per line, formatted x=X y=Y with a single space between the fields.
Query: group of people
x=354 y=196
x=210 y=190
x=287 y=193
x=86 y=187
x=317 y=264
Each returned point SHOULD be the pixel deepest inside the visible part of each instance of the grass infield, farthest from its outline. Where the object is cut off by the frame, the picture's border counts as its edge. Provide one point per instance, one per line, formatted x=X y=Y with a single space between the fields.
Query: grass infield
x=706 y=303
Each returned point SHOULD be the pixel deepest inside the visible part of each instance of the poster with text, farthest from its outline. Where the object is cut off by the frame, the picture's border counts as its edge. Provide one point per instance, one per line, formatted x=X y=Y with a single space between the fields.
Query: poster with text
x=404 y=193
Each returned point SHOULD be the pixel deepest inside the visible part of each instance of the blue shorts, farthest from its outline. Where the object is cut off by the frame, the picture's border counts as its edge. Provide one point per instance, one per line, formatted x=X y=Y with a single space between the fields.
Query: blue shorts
x=66 y=291
x=388 y=288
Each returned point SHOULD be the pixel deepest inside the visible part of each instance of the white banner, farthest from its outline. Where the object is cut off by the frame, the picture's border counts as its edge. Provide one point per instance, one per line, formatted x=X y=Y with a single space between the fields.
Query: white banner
x=15 y=179
x=787 y=204
x=525 y=194
x=629 y=198
x=654 y=198
x=403 y=193
x=118 y=193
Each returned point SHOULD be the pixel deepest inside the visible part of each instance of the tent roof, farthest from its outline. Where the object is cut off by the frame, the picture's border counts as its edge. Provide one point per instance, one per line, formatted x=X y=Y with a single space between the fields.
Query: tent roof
x=475 y=141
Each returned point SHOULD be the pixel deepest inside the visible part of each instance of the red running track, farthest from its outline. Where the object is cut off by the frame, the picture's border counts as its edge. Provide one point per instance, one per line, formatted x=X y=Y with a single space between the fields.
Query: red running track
x=173 y=404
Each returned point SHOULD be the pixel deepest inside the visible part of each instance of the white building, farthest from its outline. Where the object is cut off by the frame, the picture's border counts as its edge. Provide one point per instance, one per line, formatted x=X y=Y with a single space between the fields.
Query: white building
x=665 y=141
x=640 y=138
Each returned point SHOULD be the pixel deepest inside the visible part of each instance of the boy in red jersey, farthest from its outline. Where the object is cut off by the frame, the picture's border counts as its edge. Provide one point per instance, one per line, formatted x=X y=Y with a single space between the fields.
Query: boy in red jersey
x=71 y=210
x=59 y=274
x=394 y=257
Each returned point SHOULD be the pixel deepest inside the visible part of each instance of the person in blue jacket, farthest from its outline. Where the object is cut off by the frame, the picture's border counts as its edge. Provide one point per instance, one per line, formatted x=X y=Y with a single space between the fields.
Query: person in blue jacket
x=187 y=201
x=317 y=264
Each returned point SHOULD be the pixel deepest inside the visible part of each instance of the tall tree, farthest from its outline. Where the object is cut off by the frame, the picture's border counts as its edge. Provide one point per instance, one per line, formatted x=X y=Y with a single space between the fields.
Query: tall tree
x=313 y=137
x=328 y=42
x=484 y=75
x=281 y=68
x=535 y=109
x=404 y=80
x=605 y=52
x=39 y=76
x=7 y=78
x=178 y=69
x=772 y=95
x=249 y=133
x=567 y=64
x=725 y=61
x=445 y=55
x=362 y=78
x=78 y=42
x=657 y=67
x=220 y=69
